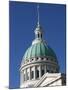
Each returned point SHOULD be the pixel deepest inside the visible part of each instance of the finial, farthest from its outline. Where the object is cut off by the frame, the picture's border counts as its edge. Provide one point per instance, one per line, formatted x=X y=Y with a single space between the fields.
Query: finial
x=38 y=14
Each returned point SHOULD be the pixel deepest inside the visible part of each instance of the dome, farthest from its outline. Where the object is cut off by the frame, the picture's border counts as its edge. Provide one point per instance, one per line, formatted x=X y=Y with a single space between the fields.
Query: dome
x=39 y=47
x=39 y=50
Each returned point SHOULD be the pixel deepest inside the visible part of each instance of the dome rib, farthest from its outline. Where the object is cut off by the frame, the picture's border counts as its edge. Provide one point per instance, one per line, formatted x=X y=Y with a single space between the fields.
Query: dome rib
x=38 y=49
x=42 y=49
x=29 y=52
x=24 y=57
x=33 y=51
x=45 y=49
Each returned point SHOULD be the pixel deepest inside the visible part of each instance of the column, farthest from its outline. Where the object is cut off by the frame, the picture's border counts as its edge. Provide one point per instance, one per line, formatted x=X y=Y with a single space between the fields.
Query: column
x=45 y=68
x=40 y=71
x=34 y=72
x=29 y=73
x=25 y=74
x=20 y=77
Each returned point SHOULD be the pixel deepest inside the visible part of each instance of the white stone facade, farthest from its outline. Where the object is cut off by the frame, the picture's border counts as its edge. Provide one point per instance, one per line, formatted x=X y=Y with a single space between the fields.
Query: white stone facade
x=32 y=72
x=48 y=79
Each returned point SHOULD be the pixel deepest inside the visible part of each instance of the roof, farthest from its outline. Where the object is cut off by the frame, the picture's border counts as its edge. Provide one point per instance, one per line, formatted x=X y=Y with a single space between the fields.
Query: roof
x=39 y=50
x=39 y=47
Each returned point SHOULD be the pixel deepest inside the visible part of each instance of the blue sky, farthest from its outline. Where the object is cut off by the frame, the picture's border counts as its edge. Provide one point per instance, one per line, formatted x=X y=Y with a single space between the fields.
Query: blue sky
x=23 y=21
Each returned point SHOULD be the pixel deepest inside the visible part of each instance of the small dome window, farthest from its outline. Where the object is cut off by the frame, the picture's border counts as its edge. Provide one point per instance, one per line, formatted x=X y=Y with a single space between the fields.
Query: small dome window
x=42 y=58
x=37 y=58
x=32 y=59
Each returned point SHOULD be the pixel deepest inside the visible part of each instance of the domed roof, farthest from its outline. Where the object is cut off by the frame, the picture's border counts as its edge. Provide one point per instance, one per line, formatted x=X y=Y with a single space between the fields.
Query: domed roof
x=39 y=49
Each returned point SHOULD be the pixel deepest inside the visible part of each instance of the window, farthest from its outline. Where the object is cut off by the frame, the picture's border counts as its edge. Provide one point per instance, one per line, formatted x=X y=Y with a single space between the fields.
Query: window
x=41 y=35
x=57 y=70
x=47 y=58
x=42 y=70
x=51 y=71
x=32 y=74
x=37 y=73
x=37 y=58
x=42 y=58
x=32 y=59
x=38 y=35
x=47 y=70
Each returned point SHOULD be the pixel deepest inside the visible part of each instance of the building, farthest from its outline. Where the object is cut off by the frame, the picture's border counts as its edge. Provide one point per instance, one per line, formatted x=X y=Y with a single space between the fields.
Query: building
x=39 y=66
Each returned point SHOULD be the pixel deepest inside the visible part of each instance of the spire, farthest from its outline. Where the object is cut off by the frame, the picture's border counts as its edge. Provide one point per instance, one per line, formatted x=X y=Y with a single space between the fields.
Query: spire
x=38 y=30
x=38 y=14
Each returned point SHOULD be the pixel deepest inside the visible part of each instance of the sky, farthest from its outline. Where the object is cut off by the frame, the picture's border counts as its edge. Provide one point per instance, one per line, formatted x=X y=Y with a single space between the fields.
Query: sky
x=22 y=23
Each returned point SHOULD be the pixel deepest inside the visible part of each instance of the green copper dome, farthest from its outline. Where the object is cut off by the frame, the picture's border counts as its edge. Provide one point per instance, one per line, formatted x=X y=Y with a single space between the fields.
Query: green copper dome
x=39 y=50
x=39 y=47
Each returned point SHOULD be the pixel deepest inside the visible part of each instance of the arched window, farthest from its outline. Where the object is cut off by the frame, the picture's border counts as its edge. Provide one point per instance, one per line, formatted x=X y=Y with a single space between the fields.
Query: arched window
x=32 y=74
x=48 y=68
x=51 y=71
x=38 y=35
x=42 y=70
x=47 y=58
x=37 y=71
x=41 y=35
x=57 y=70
